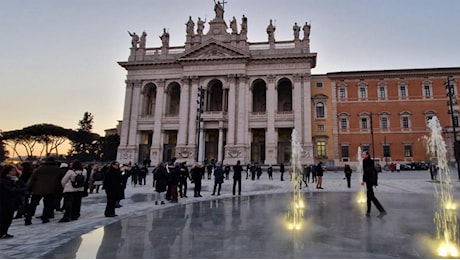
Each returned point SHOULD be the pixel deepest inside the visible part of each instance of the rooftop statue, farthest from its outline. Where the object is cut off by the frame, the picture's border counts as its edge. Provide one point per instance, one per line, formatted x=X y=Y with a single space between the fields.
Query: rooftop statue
x=165 y=38
x=134 y=39
x=200 y=26
x=219 y=9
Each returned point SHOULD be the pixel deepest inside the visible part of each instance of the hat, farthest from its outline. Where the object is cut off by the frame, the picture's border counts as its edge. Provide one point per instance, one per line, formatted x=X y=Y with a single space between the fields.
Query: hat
x=64 y=165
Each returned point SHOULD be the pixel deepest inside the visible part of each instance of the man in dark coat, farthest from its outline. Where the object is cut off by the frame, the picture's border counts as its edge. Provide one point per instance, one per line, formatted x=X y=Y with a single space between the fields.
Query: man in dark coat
x=113 y=186
x=218 y=178
x=197 y=173
x=160 y=182
x=11 y=190
x=237 y=169
x=44 y=183
x=370 y=178
x=184 y=176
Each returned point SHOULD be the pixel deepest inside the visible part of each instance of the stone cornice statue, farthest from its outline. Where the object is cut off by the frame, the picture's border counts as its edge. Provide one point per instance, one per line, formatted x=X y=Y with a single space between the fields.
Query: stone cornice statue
x=165 y=38
x=134 y=39
x=143 y=40
x=190 y=26
x=271 y=32
x=200 y=26
x=219 y=9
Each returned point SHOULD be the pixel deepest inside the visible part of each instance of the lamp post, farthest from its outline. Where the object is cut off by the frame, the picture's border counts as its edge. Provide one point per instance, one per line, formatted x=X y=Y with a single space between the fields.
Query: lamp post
x=199 y=119
x=372 y=137
x=450 y=94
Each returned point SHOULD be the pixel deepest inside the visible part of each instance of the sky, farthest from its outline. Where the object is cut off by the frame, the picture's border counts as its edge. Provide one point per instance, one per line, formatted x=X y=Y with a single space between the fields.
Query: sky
x=59 y=58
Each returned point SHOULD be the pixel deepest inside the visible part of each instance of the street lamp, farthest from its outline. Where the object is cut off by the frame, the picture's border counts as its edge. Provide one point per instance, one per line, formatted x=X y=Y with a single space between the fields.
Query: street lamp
x=451 y=94
x=199 y=119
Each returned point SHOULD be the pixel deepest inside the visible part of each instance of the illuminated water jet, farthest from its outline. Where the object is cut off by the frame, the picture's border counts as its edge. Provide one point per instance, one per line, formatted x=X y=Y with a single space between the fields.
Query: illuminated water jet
x=295 y=214
x=445 y=216
x=361 y=196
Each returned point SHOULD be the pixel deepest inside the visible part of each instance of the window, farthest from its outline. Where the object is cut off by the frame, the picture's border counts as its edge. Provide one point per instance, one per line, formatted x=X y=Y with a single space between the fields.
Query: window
x=319 y=84
x=384 y=122
x=343 y=123
x=345 y=151
x=362 y=92
x=365 y=147
x=386 y=150
x=405 y=122
x=364 y=123
x=342 y=93
x=321 y=148
x=455 y=123
x=402 y=91
x=427 y=91
x=319 y=110
x=382 y=92
x=407 y=150
x=320 y=127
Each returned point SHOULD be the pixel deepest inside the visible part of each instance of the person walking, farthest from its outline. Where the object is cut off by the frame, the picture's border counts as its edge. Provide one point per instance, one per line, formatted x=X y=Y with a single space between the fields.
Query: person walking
x=218 y=178
x=11 y=190
x=319 y=175
x=227 y=171
x=113 y=186
x=347 y=170
x=313 y=173
x=184 y=176
x=160 y=181
x=27 y=170
x=370 y=179
x=96 y=179
x=197 y=173
x=270 y=172
x=72 y=194
x=282 y=171
x=237 y=170
x=43 y=184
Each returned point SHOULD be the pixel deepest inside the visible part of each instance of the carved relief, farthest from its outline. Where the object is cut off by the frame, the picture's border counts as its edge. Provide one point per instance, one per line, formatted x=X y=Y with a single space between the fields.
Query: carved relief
x=234 y=153
x=185 y=153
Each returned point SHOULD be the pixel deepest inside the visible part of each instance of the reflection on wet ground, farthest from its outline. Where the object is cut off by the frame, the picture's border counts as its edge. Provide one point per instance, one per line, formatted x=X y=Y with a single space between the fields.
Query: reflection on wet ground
x=252 y=227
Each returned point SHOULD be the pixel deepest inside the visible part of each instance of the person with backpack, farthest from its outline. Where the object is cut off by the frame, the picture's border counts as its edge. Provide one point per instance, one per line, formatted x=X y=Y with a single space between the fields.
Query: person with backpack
x=73 y=183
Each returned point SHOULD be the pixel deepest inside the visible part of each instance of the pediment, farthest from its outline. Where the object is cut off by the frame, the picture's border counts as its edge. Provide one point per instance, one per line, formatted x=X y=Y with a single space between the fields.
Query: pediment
x=213 y=50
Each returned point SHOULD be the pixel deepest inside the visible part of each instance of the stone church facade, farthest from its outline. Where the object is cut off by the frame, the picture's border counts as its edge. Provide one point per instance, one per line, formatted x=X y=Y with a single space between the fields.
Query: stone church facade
x=253 y=94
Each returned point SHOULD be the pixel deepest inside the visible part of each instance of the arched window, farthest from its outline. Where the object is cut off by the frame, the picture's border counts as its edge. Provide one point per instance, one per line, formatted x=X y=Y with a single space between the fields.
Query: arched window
x=215 y=96
x=259 y=96
x=284 y=95
x=173 y=99
x=149 y=99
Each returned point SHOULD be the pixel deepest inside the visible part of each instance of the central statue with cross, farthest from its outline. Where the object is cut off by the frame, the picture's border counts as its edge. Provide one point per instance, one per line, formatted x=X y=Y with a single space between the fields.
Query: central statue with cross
x=219 y=9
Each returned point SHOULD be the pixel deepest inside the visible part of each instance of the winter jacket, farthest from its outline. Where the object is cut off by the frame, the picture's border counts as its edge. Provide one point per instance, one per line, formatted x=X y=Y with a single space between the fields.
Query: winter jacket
x=66 y=181
x=45 y=179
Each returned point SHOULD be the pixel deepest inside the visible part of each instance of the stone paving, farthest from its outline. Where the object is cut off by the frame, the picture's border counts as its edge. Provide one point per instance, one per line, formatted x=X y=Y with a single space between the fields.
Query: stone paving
x=51 y=240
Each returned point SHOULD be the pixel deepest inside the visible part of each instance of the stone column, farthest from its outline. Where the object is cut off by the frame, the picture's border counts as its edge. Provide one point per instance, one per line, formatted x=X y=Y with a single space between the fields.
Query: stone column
x=184 y=107
x=126 y=150
x=242 y=143
x=192 y=127
x=155 y=150
x=306 y=101
x=231 y=110
x=220 y=145
x=270 y=137
x=135 y=106
x=297 y=106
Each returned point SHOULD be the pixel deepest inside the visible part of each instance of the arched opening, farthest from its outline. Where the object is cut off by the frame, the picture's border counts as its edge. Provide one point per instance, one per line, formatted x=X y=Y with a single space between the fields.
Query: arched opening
x=259 y=96
x=284 y=95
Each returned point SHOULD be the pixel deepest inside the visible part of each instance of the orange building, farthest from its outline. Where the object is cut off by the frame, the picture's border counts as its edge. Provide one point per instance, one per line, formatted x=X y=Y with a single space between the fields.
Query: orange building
x=386 y=112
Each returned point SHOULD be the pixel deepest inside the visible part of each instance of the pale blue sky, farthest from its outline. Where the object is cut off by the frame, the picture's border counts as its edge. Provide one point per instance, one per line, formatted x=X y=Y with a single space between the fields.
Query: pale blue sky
x=59 y=57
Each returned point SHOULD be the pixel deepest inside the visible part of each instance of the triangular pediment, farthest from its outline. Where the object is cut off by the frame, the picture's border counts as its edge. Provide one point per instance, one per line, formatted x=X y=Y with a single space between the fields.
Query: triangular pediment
x=213 y=50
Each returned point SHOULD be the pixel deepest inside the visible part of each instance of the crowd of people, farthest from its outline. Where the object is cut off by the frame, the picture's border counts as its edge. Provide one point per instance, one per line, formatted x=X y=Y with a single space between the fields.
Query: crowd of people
x=60 y=187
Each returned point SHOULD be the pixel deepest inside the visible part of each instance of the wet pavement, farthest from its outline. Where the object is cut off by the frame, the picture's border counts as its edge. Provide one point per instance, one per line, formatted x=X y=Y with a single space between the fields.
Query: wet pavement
x=248 y=226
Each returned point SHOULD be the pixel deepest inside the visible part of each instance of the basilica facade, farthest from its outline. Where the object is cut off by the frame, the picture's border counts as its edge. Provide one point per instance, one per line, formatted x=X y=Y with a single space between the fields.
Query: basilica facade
x=221 y=97
x=218 y=97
